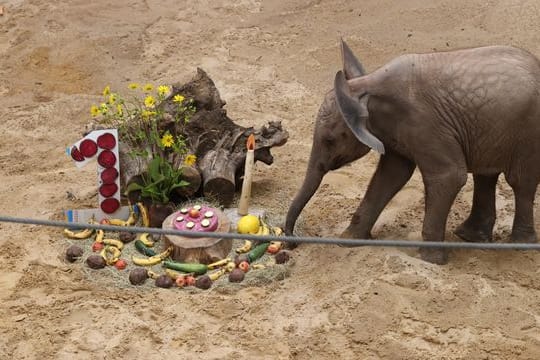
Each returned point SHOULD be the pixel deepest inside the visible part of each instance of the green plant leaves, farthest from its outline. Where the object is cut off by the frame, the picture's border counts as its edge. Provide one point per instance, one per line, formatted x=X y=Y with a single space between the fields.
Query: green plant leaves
x=159 y=181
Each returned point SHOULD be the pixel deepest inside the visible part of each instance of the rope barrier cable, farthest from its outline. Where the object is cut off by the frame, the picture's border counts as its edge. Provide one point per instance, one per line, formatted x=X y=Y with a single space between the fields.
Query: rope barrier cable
x=293 y=239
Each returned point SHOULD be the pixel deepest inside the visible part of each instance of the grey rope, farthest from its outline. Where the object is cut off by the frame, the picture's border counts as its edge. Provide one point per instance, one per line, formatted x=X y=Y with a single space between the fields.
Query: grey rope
x=293 y=239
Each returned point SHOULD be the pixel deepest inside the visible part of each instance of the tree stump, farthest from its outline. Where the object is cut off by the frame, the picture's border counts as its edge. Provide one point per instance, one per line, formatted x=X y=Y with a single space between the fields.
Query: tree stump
x=218 y=143
x=203 y=250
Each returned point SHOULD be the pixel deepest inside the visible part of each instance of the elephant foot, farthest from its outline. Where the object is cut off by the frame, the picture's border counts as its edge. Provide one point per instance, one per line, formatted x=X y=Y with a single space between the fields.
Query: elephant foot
x=523 y=236
x=348 y=234
x=434 y=256
x=470 y=232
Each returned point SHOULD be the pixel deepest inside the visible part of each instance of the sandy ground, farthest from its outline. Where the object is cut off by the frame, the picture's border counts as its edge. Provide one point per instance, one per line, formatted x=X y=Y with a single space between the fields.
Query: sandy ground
x=271 y=60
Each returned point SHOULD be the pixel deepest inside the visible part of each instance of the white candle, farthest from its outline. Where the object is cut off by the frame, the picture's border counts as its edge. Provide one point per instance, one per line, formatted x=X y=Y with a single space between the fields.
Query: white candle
x=248 y=173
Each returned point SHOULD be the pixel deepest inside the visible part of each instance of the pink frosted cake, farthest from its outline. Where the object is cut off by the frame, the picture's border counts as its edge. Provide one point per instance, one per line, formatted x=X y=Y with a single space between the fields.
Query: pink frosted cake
x=196 y=218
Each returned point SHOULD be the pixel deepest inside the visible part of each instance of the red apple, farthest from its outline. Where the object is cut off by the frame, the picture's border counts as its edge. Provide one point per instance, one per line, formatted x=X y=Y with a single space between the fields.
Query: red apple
x=120 y=264
x=273 y=249
x=194 y=213
x=190 y=280
x=97 y=247
x=180 y=281
x=244 y=266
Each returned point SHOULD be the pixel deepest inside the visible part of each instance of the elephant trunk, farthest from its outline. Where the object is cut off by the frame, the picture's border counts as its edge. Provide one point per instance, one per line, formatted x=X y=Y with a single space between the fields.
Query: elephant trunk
x=314 y=175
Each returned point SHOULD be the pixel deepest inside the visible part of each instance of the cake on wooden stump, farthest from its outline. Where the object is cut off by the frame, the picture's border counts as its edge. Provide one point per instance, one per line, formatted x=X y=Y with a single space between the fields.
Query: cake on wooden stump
x=198 y=218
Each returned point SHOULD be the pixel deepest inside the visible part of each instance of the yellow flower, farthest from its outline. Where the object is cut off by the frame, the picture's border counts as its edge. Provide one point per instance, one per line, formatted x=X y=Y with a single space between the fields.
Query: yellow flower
x=148 y=87
x=107 y=91
x=167 y=140
x=112 y=98
x=133 y=86
x=119 y=110
x=103 y=108
x=178 y=98
x=163 y=90
x=94 y=111
x=147 y=114
x=190 y=160
x=150 y=102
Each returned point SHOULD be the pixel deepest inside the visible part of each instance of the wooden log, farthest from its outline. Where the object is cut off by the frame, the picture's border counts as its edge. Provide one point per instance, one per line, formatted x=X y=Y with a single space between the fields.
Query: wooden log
x=218 y=172
x=193 y=176
x=203 y=250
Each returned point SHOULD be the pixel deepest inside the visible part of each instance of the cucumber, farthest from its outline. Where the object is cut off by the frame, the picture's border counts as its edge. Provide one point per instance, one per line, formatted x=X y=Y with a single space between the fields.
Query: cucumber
x=257 y=251
x=198 y=269
x=143 y=249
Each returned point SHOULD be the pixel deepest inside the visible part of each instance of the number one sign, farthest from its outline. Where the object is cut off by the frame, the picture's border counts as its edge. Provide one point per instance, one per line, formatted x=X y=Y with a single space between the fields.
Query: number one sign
x=103 y=145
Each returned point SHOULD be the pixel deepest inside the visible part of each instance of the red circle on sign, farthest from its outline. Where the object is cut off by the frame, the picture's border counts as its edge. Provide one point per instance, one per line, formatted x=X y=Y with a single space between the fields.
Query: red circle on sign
x=76 y=154
x=110 y=205
x=109 y=175
x=88 y=148
x=107 y=159
x=107 y=190
x=106 y=141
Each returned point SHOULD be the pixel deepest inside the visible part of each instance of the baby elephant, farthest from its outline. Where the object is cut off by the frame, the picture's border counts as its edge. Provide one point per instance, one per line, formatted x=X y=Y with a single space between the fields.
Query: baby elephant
x=449 y=113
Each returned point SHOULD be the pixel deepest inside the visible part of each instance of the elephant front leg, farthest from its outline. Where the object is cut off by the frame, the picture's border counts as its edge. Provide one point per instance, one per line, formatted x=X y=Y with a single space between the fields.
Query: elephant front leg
x=479 y=225
x=441 y=191
x=393 y=172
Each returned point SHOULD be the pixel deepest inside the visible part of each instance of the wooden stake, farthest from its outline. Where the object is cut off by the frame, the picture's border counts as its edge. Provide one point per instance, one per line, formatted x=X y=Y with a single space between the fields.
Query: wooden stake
x=1 y=10
x=243 y=205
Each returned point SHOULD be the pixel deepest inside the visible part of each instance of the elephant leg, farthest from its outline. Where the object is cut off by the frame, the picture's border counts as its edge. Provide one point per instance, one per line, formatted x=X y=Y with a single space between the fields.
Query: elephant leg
x=479 y=225
x=523 y=227
x=441 y=190
x=393 y=172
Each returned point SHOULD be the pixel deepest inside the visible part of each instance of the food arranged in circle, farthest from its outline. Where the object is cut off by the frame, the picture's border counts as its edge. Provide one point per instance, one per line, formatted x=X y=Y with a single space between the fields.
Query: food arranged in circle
x=196 y=218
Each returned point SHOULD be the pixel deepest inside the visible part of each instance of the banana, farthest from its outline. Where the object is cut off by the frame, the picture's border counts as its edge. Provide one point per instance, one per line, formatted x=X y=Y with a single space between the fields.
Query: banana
x=145 y=239
x=277 y=231
x=151 y=261
x=172 y=274
x=99 y=236
x=118 y=222
x=219 y=263
x=230 y=266
x=166 y=253
x=110 y=254
x=266 y=230
x=113 y=242
x=244 y=248
x=86 y=233
x=144 y=214
x=132 y=219
x=152 y=275
x=217 y=274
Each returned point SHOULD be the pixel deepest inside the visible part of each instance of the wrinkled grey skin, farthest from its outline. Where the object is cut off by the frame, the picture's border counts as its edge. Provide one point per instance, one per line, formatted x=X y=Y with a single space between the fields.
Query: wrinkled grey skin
x=449 y=113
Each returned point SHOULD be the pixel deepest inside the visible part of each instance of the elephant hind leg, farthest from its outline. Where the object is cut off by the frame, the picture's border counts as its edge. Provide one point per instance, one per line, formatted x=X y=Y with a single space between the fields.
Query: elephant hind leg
x=479 y=225
x=524 y=188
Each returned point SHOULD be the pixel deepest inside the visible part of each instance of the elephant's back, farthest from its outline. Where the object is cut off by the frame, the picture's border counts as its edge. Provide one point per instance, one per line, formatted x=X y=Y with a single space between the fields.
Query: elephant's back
x=487 y=98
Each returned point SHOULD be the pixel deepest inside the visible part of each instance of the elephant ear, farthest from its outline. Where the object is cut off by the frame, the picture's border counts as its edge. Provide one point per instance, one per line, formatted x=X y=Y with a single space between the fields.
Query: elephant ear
x=355 y=113
x=351 y=66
